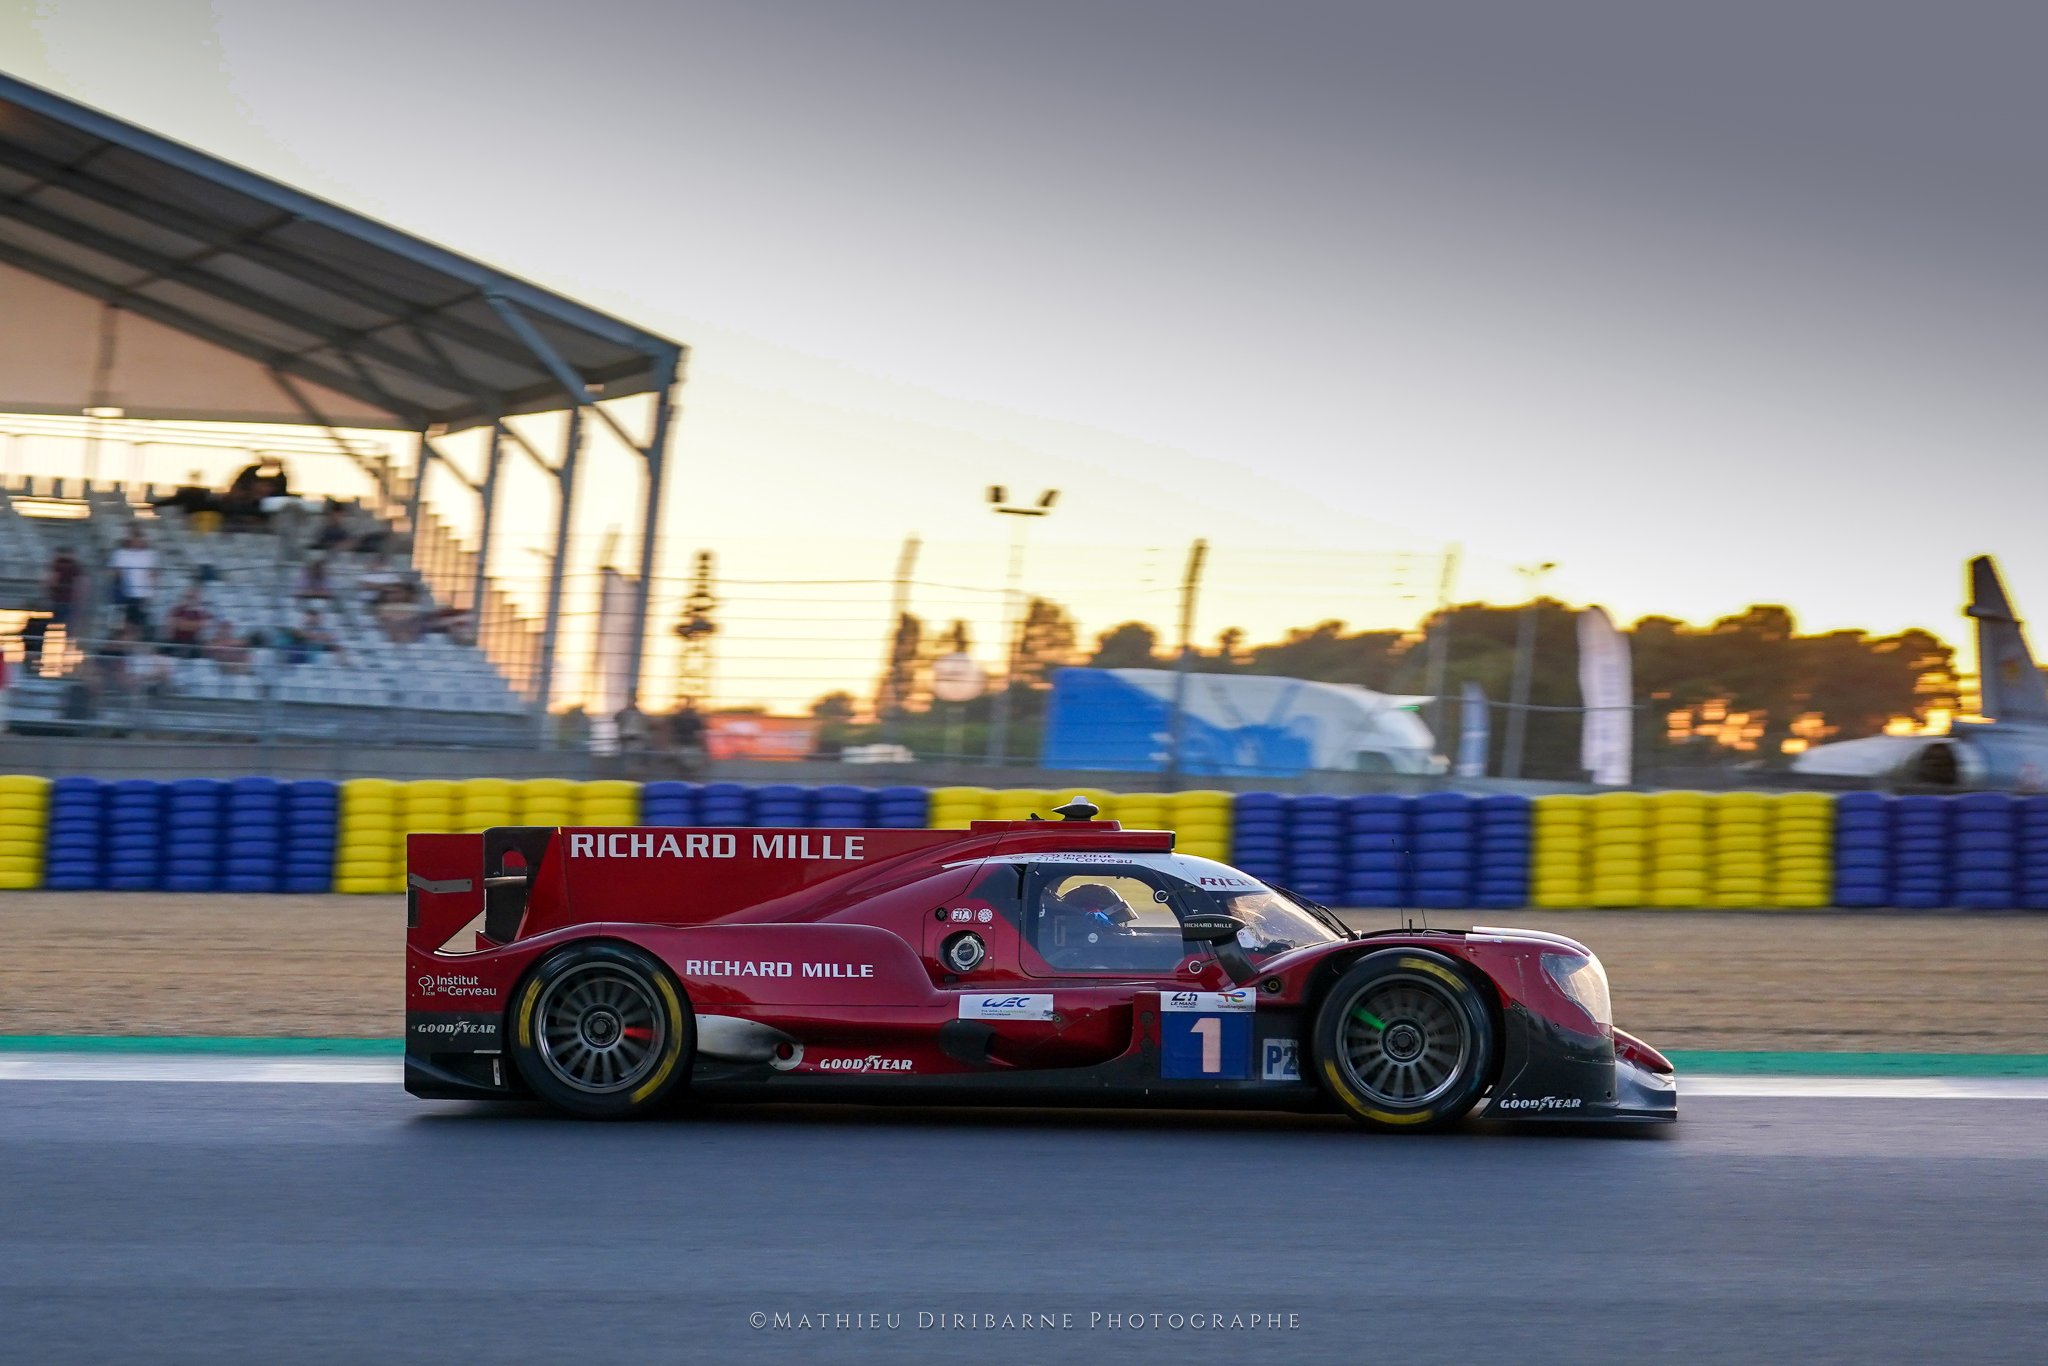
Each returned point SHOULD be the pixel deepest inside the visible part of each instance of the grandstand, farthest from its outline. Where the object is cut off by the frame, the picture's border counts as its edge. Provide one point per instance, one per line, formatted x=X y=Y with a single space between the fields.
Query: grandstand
x=257 y=600
x=143 y=280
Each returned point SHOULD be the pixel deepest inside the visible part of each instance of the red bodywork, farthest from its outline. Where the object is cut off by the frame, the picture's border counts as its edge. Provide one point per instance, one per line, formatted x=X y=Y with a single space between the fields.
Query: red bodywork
x=832 y=940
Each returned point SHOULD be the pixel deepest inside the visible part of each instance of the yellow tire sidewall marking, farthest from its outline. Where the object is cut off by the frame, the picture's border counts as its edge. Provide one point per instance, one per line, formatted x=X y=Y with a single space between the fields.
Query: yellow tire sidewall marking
x=675 y=1040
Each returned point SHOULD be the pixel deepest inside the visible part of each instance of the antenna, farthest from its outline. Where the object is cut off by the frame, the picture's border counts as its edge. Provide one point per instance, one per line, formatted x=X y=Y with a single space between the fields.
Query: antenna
x=693 y=673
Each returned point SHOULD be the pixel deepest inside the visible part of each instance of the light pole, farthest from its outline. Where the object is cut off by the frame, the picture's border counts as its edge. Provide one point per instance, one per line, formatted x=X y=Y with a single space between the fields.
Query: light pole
x=999 y=720
x=1525 y=665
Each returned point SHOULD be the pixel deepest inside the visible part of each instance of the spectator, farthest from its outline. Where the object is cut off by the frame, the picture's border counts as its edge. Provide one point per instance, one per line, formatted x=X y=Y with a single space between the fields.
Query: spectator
x=313 y=630
x=191 y=497
x=686 y=733
x=250 y=499
x=630 y=726
x=134 y=566
x=61 y=583
x=313 y=577
x=227 y=650
x=185 y=627
x=33 y=629
x=132 y=663
x=398 y=611
x=334 y=535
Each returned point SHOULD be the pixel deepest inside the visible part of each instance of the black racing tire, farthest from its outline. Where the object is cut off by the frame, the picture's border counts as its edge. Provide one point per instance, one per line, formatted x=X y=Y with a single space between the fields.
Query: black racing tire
x=1405 y=1040
x=602 y=1031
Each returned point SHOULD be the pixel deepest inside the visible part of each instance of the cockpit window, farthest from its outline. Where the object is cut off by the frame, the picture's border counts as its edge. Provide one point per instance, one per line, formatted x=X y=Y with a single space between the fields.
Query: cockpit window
x=1102 y=919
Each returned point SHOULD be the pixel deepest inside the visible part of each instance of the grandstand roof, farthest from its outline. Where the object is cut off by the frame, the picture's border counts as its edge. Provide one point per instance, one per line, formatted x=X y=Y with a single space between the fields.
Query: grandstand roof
x=225 y=280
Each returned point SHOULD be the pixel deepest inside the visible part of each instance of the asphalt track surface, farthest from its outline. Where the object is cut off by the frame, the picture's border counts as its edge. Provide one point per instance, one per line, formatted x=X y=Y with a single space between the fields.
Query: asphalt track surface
x=197 y=1221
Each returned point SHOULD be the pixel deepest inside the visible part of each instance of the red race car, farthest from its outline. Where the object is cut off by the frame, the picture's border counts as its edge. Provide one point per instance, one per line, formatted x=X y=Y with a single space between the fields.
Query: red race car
x=1064 y=962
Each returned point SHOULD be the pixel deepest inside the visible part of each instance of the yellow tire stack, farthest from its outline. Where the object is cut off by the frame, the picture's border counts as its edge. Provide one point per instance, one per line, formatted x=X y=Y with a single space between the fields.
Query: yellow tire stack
x=1138 y=810
x=1020 y=804
x=954 y=808
x=484 y=802
x=1678 y=850
x=24 y=822
x=1802 y=827
x=546 y=801
x=607 y=801
x=1739 y=844
x=1201 y=823
x=426 y=807
x=369 y=851
x=1616 y=850
x=1557 y=856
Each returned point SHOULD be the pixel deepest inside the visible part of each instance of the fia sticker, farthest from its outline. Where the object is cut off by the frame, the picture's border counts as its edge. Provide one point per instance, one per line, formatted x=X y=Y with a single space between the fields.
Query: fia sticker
x=962 y=914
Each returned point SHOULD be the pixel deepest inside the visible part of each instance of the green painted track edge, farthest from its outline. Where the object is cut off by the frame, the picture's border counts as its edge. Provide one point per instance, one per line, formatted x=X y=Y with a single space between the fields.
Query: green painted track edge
x=1687 y=1060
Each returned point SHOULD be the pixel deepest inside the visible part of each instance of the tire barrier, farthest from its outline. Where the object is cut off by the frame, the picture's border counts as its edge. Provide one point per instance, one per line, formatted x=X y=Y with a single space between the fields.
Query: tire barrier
x=1379 y=832
x=1438 y=851
x=1501 y=852
x=24 y=826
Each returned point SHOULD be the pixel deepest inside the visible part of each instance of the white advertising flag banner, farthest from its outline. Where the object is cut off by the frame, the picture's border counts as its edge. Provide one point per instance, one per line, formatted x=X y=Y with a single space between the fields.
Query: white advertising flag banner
x=1473 y=734
x=1604 y=686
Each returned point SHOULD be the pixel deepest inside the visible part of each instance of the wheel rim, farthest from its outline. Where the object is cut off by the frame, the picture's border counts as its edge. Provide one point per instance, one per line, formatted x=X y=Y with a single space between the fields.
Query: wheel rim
x=1404 y=1042
x=601 y=1029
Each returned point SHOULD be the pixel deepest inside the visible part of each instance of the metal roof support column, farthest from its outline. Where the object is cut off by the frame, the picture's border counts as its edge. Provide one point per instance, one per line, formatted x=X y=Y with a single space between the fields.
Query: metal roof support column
x=551 y=627
x=488 y=498
x=656 y=454
x=422 y=459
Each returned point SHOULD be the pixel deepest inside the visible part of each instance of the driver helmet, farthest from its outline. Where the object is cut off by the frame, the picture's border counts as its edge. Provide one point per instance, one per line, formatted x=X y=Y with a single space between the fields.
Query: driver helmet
x=1097 y=902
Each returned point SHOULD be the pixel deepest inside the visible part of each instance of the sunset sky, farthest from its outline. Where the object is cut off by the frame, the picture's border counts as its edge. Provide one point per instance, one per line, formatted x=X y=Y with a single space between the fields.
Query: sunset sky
x=1710 y=305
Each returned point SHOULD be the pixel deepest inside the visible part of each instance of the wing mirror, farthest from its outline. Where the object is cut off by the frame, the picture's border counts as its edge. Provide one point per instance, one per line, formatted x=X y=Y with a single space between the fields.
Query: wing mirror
x=1210 y=929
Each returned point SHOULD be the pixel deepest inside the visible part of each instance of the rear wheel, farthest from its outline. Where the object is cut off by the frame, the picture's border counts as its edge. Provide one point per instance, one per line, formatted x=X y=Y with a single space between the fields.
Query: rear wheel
x=602 y=1031
x=1404 y=1040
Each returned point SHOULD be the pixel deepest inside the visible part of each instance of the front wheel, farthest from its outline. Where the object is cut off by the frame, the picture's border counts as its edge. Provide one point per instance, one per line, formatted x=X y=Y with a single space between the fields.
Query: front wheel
x=1404 y=1040
x=602 y=1031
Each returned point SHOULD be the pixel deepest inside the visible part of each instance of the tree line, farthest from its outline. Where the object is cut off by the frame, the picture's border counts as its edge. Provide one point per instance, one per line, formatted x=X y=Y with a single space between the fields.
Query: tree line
x=1746 y=689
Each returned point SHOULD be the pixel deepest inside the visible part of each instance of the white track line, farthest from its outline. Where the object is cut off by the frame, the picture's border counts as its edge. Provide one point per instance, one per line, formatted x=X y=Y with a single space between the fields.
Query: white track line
x=196 y=1067
x=1866 y=1088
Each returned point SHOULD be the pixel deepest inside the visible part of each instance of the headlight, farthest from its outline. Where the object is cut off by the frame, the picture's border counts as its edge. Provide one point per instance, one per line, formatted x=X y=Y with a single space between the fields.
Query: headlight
x=1585 y=981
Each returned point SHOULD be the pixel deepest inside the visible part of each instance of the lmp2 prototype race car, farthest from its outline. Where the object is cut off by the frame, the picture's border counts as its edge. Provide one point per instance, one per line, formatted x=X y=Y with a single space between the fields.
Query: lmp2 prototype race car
x=1054 y=963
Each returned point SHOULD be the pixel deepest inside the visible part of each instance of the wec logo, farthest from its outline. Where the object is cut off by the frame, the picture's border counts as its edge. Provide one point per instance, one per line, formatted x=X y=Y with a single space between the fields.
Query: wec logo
x=1006 y=1007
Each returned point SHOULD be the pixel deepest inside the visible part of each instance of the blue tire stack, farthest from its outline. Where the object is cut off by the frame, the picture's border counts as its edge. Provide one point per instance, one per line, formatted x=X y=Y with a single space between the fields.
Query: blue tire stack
x=1258 y=835
x=311 y=814
x=1315 y=847
x=1501 y=852
x=1379 y=828
x=75 y=852
x=841 y=807
x=902 y=808
x=668 y=804
x=1863 y=850
x=192 y=835
x=135 y=835
x=1987 y=851
x=1445 y=837
x=1920 y=853
x=252 y=829
x=2033 y=833
x=724 y=804
x=782 y=804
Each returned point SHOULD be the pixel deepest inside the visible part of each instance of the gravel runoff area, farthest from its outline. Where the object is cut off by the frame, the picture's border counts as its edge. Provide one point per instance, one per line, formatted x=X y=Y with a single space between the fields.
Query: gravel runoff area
x=329 y=966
